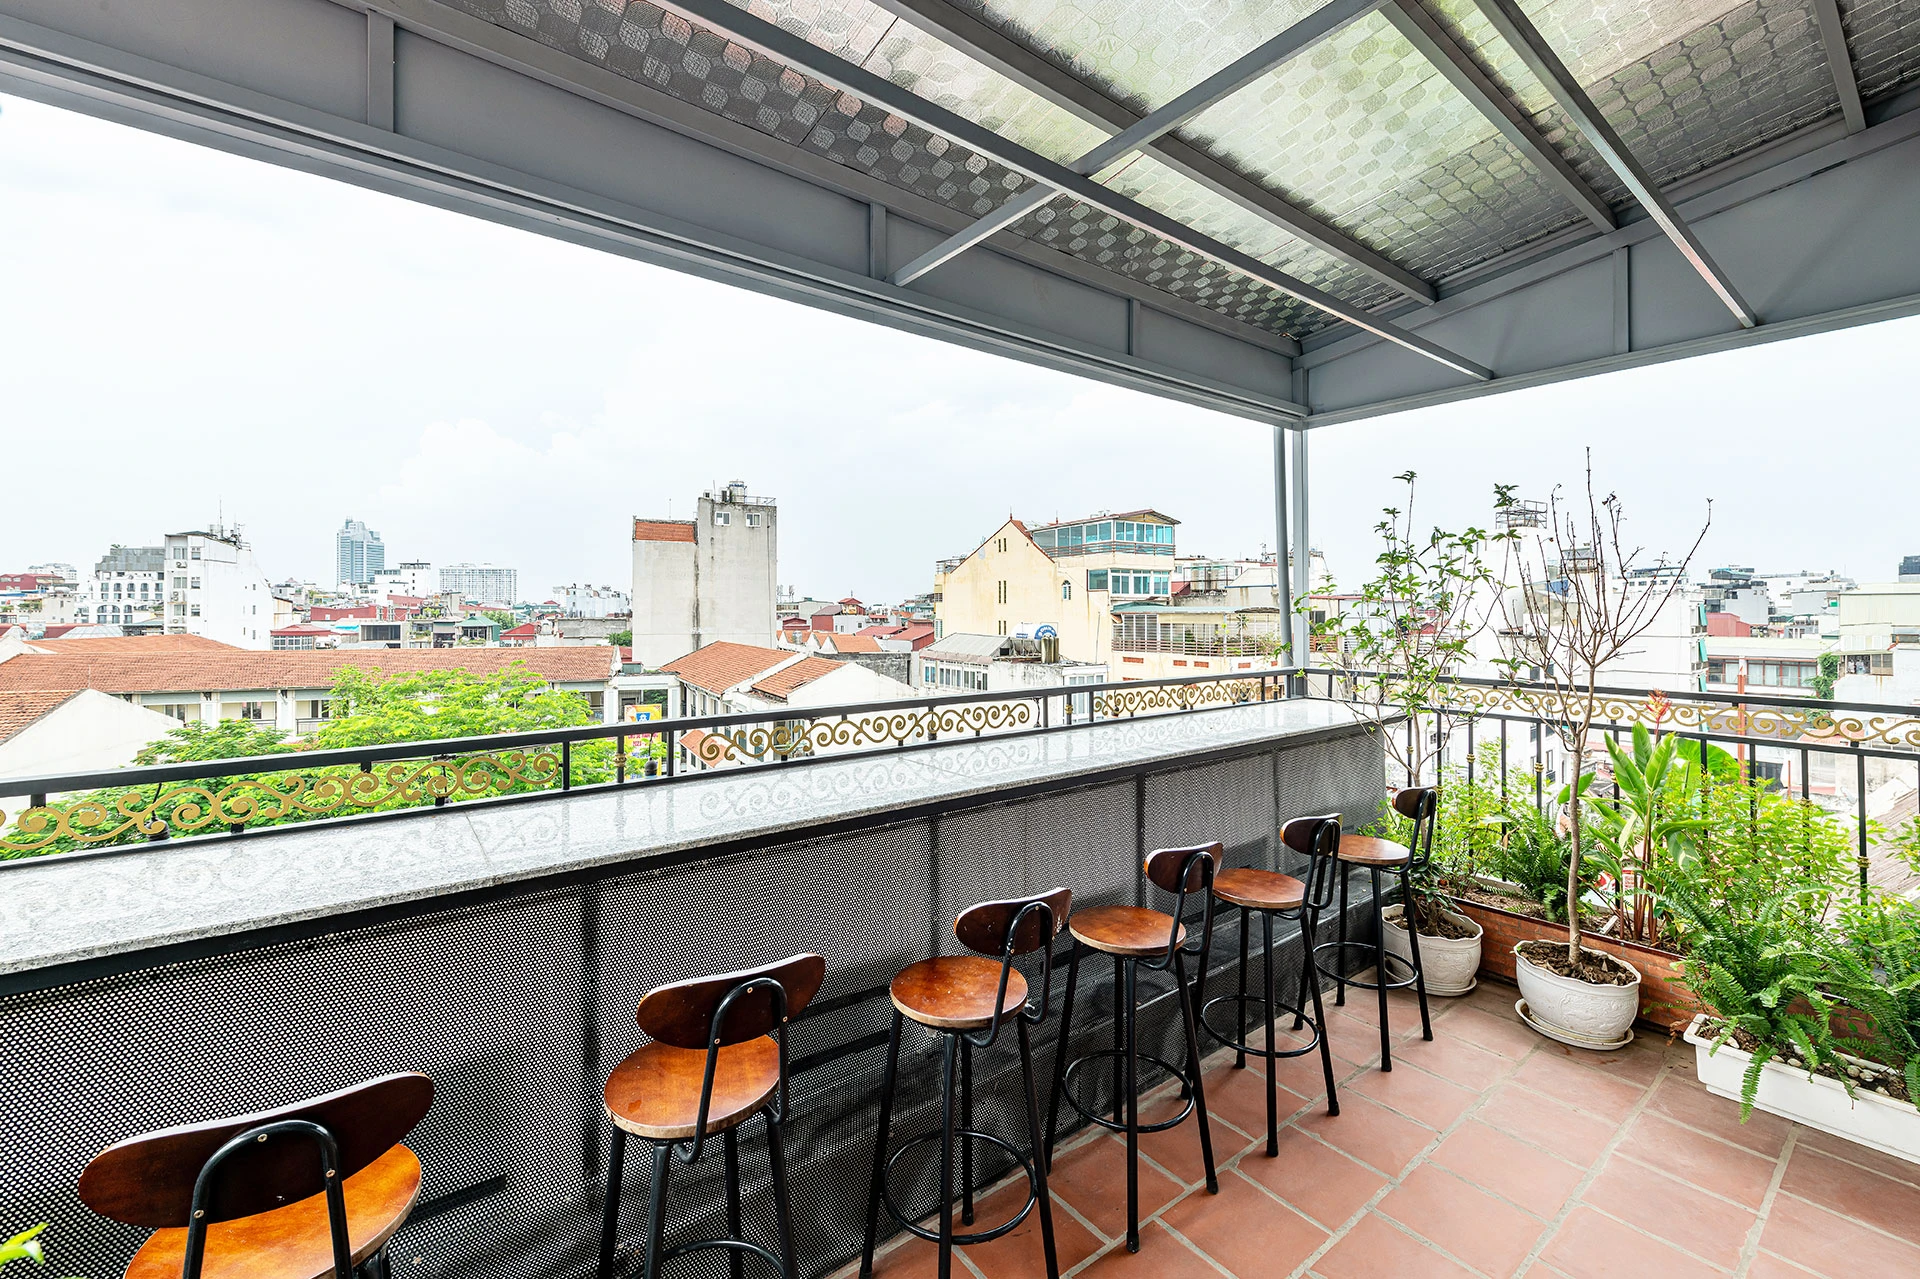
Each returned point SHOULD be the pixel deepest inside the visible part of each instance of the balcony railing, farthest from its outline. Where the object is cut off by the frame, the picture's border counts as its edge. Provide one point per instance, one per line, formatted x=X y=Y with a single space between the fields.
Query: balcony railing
x=122 y=808
x=1182 y=645
x=1765 y=730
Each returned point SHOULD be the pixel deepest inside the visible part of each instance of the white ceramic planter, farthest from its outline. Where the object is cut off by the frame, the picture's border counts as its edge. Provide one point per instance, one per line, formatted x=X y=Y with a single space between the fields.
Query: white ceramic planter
x=1576 y=1012
x=1450 y=962
x=1889 y=1126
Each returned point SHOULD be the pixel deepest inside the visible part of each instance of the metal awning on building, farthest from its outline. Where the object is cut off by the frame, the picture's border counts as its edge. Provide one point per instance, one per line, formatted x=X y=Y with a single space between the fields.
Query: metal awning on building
x=1301 y=212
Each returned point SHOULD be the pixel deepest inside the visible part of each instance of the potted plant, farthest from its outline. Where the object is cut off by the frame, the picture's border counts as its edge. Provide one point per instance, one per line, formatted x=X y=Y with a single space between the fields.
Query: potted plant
x=1397 y=646
x=1581 y=601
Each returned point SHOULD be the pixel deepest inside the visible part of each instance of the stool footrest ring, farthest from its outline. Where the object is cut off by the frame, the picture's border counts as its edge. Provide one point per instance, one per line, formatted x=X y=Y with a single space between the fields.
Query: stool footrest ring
x=1339 y=974
x=977 y=1236
x=1066 y=1090
x=1270 y=1053
x=738 y=1245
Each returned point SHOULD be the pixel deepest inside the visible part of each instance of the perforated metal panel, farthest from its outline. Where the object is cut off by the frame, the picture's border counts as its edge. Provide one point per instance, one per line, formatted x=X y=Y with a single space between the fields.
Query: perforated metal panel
x=519 y=1006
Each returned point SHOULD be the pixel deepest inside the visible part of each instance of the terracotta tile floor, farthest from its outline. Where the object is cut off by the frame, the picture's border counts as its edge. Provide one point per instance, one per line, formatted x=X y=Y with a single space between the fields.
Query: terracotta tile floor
x=1487 y=1152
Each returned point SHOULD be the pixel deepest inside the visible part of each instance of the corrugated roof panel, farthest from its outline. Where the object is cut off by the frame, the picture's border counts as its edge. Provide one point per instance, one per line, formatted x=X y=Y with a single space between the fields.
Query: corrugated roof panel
x=1884 y=36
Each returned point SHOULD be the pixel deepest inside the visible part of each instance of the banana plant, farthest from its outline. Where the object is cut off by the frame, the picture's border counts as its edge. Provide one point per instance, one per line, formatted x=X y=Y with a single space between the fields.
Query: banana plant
x=1638 y=822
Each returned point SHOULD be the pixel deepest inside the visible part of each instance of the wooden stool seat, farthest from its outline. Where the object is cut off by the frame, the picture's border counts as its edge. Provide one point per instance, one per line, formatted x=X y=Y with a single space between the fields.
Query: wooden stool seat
x=1365 y=850
x=655 y=1092
x=1129 y=931
x=955 y=992
x=292 y=1242
x=1259 y=889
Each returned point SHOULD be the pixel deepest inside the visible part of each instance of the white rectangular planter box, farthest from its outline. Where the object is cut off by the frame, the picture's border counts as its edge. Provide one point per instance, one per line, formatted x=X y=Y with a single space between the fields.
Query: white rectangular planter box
x=1880 y=1123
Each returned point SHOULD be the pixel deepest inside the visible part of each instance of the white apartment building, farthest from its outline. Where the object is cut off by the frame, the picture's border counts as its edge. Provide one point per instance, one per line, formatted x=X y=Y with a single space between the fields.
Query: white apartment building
x=215 y=589
x=711 y=579
x=483 y=582
x=412 y=578
x=592 y=601
x=128 y=588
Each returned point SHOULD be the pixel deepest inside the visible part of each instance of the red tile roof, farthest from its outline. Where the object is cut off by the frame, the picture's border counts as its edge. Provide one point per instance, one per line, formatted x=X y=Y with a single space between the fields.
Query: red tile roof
x=663 y=530
x=231 y=669
x=783 y=683
x=527 y=631
x=20 y=711
x=134 y=644
x=850 y=643
x=717 y=667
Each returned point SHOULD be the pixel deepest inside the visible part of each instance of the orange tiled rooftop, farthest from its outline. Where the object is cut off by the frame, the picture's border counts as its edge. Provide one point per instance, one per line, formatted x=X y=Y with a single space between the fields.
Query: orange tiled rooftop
x=1489 y=1151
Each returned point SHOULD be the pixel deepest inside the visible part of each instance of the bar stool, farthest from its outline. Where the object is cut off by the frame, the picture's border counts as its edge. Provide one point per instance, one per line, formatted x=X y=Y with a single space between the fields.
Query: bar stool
x=1380 y=857
x=963 y=998
x=718 y=1058
x=1139 y=937
x=315 y=1188
x=1270 y=895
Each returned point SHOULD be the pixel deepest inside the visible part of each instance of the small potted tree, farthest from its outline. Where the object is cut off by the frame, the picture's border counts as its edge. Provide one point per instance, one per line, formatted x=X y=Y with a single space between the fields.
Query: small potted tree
x=1396 y=647
x=1582 y=599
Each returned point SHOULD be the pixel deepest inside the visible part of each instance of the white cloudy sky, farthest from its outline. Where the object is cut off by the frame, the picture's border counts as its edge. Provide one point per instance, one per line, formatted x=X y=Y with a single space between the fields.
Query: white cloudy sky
x=184 y=332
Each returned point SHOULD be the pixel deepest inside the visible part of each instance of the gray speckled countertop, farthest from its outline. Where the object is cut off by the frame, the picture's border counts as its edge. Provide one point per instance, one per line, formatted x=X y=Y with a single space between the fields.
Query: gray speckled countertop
x=57 y=911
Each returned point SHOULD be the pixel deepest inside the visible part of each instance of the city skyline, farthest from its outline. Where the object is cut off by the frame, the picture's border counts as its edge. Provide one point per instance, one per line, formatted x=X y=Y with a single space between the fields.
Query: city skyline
x=561 y=392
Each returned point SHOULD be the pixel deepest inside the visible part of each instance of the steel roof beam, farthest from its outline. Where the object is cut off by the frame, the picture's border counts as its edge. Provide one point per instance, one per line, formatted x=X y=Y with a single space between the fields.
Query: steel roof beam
x=1034 y=73
x=1833 y=39
x=1518 y=30
x=1459 y=69
x=785 y=47
x=1222 y=84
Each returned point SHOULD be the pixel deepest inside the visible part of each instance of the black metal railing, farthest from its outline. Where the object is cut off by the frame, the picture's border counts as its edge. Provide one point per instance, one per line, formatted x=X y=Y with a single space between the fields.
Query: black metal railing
x=118 y=809
x=1767 y=731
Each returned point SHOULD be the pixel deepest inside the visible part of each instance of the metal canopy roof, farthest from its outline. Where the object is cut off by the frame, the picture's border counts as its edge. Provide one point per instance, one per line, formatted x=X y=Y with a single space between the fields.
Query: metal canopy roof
x=1299 y=211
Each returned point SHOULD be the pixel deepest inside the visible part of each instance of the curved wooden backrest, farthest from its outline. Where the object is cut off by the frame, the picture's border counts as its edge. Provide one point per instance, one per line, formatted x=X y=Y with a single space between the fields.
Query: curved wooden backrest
x=681 y=1014
x=983 y=928
x=1417 y=803
x=148 y=1180
x=1163 y=866
x=1314 y=836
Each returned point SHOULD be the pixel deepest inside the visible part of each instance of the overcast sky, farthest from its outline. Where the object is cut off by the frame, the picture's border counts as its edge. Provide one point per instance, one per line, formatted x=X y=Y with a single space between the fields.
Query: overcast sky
x=184 y=332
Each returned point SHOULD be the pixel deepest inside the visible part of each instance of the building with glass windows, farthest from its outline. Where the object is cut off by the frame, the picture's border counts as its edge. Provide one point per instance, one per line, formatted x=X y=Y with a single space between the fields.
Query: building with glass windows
x=358 y=554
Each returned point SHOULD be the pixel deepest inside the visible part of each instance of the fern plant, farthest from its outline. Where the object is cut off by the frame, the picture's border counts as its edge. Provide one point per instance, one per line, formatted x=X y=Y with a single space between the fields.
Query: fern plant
x=1873 y=967
x=1752 y=960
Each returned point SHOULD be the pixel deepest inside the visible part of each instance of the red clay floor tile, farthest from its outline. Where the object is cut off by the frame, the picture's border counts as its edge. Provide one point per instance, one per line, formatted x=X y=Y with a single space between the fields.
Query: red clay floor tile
x=1093 y=1178
x=1314 y=1178
x=1714 y=1166
x=1590 y=1245
x=1586 y=1090
x=1488 y=1234
x=1523 y=1174
x=1832 y=1245
x=1369 y=1132
x=1019 y=1254
x=1681 y=1214
x=1416 y=1094
x=1683 y=1098
x=1376 y=1248
x=1457 y=1060
x=1541 y=1121
x=1244 y=1230
x=1892 y=1206
x=1162 y=1255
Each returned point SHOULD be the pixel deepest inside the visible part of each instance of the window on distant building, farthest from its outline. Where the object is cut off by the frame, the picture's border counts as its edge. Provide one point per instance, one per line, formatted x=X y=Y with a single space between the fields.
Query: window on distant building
x=1003 y=627
x=753 y=519
x=195 y=552
x=180 y=583
x=1096 y=579
x=195 y=584
x=195 y=610
x=252 y=710
x=722 y=517
x=1002 y=546
x=930 y=673
x=1066 y=590
x=179 y=553
x=1000 y=589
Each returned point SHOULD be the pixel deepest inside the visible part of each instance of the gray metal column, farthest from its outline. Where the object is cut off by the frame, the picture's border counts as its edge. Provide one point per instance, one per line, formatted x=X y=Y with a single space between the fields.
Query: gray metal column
x=1303 y=550
x=1283 y=592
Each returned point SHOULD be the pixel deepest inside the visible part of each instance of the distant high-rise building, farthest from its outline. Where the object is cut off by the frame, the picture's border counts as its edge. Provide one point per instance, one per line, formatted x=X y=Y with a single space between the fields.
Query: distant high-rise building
x=359 y=554
x=707 y=579
x=1910 y=568
x=482 y=582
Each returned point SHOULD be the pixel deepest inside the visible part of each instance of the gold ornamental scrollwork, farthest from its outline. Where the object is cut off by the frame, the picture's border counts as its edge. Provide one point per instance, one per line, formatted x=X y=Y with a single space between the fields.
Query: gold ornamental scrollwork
x=892 y=728
x=1177 y=697
x=1661 y=711
x=189 y=808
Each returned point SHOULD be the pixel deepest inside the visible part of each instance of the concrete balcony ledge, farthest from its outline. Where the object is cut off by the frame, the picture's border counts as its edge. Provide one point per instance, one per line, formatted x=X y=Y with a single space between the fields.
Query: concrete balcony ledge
x=64 y=911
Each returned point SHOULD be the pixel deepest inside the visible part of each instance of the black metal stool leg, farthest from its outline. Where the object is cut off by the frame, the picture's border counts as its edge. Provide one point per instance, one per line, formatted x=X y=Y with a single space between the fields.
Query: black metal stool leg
x=782 y=1208
x=1190 y=1015
x=1309 y=929
x=1120 y=1001
x=1413 y=941
x=1061 y=1047
x=610 y=1224
x=966 y=1125
x=1380 y=972
x=1032 y=1099
x=1133 y=1113
x=1239 y=1054
x=880 y=1146
x=1273 y=1095
x=948 y=1055
x=1340 y=964
x=731 y=1141
x=657 y=1209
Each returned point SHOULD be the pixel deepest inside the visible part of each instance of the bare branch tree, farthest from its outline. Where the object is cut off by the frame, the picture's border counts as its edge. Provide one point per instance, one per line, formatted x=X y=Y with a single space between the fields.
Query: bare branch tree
x=1577 y=609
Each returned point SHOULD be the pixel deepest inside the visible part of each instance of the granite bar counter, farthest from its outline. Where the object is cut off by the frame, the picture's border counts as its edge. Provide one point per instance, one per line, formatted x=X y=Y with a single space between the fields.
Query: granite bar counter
x=503 y=949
